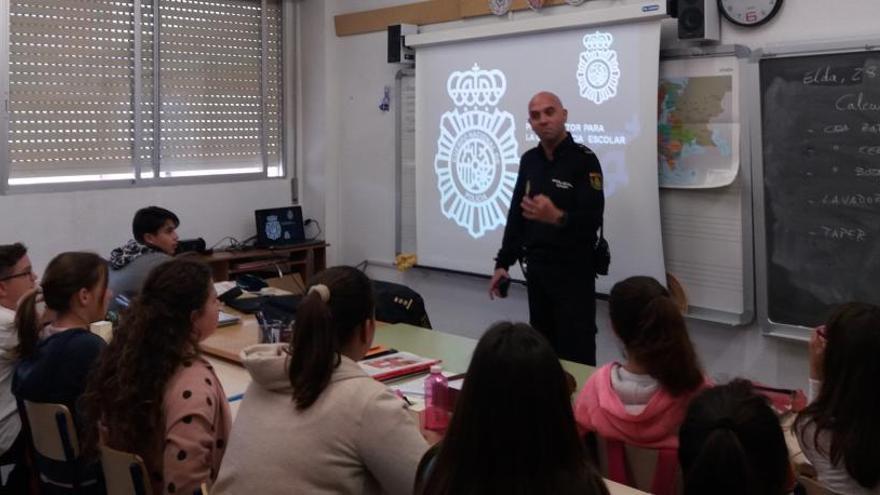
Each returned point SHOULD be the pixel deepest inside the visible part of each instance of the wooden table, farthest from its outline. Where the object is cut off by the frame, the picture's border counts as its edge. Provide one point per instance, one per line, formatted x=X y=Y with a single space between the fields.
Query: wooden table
x=306 y=259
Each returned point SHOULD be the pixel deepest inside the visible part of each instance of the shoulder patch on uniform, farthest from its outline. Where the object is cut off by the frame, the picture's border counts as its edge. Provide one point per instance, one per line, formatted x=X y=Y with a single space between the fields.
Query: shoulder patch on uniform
x=596 y=180
x=586 y=150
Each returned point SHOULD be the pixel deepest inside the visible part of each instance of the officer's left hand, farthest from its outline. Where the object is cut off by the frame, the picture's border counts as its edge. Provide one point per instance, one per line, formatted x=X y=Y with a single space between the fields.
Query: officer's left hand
x=540 y=208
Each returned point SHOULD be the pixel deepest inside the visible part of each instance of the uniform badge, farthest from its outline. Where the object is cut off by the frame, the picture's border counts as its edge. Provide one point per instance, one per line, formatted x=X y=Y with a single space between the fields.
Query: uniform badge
x=596 y=180
x=477 y=153
x=598 y=71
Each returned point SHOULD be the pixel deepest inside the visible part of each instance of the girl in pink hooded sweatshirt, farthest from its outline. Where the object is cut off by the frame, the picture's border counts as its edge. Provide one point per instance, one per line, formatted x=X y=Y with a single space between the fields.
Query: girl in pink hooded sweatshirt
x=643 y=400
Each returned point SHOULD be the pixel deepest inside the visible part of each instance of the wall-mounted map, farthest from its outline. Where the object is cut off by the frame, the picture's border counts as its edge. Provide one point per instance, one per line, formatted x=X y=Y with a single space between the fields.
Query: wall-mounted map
x=698 y=124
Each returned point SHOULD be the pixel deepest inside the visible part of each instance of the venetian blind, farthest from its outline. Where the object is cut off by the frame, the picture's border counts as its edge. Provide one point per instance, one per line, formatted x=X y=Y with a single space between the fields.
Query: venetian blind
x=70 y=89
x=213 y=112
x=74 y=83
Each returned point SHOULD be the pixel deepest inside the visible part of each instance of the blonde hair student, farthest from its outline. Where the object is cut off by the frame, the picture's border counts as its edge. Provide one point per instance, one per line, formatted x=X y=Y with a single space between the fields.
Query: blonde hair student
x=312 y=421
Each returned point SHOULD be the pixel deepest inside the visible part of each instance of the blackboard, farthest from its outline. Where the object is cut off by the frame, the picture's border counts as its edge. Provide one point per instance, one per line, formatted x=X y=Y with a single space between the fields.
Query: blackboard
x=820 y=126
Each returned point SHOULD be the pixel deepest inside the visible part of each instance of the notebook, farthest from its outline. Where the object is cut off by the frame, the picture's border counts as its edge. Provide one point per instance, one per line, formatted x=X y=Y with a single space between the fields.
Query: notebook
x=227 y=319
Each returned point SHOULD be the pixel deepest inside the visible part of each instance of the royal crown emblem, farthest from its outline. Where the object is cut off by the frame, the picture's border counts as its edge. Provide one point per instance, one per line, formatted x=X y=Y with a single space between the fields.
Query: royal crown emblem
x=477 y=152
x=598 y=71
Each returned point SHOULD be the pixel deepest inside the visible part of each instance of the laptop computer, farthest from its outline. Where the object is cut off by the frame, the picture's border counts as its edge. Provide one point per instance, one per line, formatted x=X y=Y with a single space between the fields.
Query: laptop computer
x=278 y=227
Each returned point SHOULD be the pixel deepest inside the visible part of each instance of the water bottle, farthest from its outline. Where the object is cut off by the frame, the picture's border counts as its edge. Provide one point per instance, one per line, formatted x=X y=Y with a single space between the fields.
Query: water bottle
x=436 y=400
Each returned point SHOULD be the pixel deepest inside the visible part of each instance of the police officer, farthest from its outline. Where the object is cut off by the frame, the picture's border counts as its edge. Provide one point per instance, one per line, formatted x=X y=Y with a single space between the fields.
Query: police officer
x=552 y=223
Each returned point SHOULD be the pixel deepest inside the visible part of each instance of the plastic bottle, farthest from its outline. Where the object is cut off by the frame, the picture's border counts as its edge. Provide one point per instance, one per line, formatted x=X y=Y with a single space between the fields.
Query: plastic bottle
x=436 y=400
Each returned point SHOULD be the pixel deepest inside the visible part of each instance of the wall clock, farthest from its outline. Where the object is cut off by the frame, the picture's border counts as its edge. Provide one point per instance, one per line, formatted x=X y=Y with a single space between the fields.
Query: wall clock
x=749 y=13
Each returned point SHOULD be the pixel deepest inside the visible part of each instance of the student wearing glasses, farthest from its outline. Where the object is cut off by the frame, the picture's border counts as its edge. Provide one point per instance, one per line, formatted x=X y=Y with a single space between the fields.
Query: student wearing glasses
x=17 y=277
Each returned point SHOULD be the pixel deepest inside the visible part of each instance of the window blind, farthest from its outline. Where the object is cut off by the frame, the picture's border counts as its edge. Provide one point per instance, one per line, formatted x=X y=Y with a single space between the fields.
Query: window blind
x=74 y=85
x=212 y=106
x=70 y=89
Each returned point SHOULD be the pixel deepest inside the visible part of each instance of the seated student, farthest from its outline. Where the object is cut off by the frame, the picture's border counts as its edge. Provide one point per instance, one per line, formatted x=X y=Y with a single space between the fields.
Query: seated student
x=642 y=401
x=155 y=240
x=16 y=278
x=343 y=432
x=513 y=430
x=839 y=432
x=731 y=443
x=152 y=393
x=55 y=359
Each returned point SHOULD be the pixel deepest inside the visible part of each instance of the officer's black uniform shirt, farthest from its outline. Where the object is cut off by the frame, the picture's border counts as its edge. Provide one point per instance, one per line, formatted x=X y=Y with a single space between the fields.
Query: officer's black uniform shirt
x=573 y=181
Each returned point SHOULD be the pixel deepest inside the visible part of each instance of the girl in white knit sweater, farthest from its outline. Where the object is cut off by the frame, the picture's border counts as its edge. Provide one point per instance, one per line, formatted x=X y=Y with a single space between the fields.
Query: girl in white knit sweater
x=343 y=432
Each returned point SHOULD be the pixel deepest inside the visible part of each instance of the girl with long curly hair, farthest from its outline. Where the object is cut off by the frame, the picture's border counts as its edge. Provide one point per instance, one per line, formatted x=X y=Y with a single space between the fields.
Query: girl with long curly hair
x=153 y=393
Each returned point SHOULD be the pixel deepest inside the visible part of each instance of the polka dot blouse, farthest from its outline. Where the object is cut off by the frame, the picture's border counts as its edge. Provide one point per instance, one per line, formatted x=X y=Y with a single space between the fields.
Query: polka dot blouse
x=197 y=423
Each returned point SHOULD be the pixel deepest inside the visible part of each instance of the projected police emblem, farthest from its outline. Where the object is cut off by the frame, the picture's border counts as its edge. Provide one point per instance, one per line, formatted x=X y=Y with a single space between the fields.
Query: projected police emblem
x=598 y=71
x=477 y=158
x=273 y=228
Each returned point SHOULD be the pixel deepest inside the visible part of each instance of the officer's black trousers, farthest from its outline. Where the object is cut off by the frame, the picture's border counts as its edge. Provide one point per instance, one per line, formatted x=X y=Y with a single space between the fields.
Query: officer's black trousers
x=562 y=306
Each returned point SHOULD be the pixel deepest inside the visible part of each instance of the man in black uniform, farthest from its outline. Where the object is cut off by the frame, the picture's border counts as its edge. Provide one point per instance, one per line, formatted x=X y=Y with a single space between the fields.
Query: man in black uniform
x=554 y=216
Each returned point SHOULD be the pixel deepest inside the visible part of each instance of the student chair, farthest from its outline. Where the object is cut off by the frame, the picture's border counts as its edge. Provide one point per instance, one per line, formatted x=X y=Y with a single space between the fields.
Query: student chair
x=812 y=486
x=56 y=446
x=124 y=473
x=650 y=470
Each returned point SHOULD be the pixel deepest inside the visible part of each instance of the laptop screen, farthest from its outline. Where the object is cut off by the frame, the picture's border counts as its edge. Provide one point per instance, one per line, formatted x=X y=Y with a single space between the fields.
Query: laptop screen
x=279 y=226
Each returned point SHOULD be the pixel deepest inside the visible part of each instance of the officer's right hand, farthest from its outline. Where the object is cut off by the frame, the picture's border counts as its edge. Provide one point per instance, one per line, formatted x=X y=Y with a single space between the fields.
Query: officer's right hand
x=499 y=274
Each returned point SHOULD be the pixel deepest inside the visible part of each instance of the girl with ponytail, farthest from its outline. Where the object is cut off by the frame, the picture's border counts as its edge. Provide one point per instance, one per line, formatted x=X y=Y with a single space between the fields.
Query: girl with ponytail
x=642 y=401
x=731 y=443
x=55 y=358
x=312 y=421
x=56 y=351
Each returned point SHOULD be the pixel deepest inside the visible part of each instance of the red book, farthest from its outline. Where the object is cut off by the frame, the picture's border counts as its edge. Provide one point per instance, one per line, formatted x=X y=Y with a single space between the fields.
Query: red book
x=396 y=365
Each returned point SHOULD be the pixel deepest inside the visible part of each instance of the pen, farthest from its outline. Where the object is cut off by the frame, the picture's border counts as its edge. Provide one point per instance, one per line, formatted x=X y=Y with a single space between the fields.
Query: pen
x=405 y=398
x=236 y=397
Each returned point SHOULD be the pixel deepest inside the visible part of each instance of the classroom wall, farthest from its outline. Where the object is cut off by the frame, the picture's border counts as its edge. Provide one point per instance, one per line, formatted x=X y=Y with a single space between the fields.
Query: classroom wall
x=100 y=220
x=349 y=172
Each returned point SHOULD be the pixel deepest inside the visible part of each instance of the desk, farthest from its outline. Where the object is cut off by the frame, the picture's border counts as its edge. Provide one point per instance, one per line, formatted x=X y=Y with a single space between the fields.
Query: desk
x=455 y=351
x=306 y=259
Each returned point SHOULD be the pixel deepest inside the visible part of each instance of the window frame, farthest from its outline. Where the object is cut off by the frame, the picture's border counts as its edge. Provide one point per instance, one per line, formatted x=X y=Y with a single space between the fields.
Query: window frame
x=287 y=133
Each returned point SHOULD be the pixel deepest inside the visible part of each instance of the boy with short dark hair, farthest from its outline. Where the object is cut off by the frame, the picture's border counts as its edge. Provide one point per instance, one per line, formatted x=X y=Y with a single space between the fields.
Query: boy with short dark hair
x=155 y=241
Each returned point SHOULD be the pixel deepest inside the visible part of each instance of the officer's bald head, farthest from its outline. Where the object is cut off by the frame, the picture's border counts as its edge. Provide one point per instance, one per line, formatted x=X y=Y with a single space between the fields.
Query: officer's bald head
x=545 y=98
x=547 y=118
